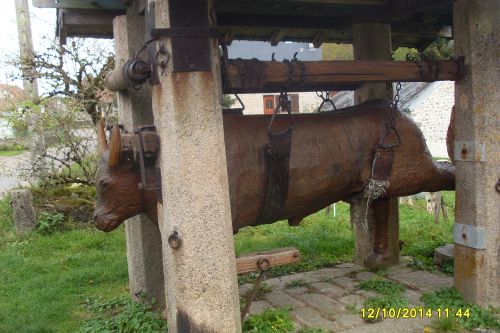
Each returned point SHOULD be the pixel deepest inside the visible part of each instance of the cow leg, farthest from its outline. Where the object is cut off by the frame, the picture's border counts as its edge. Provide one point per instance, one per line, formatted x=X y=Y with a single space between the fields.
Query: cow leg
x=385 y=252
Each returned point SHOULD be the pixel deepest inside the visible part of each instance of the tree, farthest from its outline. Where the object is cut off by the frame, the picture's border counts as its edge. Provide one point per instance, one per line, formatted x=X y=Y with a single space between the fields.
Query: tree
x=439 y=49
x=76 y=70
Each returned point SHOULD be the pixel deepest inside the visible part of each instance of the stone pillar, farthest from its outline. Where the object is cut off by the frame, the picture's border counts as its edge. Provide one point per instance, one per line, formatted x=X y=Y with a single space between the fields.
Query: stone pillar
x=477 y=98
x=144 y=253
x=195 y=217
x=380 y=232
x=23 y=211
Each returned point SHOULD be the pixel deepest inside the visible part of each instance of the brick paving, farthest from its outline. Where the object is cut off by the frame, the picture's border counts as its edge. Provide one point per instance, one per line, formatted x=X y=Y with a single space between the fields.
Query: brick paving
x=331 y=299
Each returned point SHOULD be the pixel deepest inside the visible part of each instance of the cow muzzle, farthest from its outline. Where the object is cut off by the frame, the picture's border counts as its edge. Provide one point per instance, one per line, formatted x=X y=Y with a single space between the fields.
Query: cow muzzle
x=105 y=222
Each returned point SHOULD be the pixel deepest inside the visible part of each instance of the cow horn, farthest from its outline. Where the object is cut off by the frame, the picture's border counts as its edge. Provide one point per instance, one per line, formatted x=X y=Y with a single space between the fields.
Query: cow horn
x=115 y=148
x=101 y=137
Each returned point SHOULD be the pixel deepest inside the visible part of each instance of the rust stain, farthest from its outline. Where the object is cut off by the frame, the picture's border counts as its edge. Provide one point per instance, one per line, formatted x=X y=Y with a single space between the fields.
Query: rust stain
x=464 y=152
x=467 y=264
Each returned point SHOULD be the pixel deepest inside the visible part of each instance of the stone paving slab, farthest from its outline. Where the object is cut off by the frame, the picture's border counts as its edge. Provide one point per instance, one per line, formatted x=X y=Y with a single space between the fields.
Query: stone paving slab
x=328 y=299
x=324 y=304
x=279 y=298
x=423 y=280
x=329 y=289
x=311 y=318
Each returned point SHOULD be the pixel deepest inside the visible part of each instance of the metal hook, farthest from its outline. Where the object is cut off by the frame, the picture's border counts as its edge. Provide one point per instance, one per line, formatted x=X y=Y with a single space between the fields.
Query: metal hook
x=272 y=57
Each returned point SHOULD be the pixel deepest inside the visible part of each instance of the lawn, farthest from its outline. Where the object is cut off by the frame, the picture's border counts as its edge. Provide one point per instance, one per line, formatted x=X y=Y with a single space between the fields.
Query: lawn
x=45 y=279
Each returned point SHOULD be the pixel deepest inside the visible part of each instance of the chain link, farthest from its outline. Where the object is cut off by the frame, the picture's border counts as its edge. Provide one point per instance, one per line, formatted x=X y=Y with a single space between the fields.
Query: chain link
x=392 y=105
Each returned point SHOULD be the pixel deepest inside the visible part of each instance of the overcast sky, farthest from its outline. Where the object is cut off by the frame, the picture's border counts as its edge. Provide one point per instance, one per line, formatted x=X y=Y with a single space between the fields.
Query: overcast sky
x=43 y=22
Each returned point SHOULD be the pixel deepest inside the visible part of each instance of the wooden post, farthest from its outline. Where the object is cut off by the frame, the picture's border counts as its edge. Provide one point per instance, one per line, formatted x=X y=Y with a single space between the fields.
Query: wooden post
x=195 y=217
x=376 y=227
x=144 y=254
x=477 y=155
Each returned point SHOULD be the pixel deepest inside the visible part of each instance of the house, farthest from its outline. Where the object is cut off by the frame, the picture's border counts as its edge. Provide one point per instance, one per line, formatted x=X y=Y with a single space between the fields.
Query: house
x=9 y=96
x=266 y=103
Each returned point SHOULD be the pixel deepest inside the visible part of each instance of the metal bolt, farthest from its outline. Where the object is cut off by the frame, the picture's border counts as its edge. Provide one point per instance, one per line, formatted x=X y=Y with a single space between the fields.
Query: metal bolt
x=464 y=152
x=263 y=264
x=174 y=240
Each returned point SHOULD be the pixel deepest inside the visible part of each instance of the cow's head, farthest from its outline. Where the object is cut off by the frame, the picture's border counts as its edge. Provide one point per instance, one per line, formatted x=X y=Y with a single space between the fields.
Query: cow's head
x=118 y=193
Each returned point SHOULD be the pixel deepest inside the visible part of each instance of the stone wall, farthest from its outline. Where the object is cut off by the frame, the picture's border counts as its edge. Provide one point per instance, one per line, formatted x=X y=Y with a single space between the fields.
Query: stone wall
x=432 y=112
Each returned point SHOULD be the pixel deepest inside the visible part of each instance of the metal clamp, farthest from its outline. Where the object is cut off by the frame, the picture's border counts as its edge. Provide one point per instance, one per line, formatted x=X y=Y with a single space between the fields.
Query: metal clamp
x=264 y=266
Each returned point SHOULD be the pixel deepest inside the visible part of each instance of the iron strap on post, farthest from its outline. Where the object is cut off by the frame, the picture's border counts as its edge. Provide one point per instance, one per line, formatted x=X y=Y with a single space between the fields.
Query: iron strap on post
x=277 y=158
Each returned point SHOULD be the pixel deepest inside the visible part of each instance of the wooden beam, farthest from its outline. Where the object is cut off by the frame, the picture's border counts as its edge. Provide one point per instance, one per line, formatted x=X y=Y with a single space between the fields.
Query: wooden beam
x=250 y=262
x=250 y=76
x=80 y=4
x=88 y=22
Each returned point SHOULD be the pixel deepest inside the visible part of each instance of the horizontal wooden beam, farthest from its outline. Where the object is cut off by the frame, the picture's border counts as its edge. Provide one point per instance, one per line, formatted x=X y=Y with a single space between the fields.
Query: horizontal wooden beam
x=252 y=76
x=81 y=4
x=250 y=262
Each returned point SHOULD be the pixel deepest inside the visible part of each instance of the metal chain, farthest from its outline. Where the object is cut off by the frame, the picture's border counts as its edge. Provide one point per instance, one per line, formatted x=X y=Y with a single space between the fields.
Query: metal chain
x=325 y=99
x=392 y=111
x=392 y=105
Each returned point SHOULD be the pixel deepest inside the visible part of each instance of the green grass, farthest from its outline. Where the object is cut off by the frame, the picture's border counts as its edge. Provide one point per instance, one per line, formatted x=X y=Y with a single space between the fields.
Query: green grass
x=45 y=279
x=463 y=314
x=12 y=149
x=11 y=152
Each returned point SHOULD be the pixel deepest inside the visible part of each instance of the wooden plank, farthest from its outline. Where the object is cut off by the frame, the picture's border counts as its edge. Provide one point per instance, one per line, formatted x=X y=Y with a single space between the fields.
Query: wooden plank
x=249 y=262
x=250 y=76
x=80 y=4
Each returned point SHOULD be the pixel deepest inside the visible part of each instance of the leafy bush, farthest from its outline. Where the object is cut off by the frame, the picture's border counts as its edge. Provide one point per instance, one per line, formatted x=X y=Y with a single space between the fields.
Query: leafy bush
x=49 y=222
x=269 y=321
x=63 y=150
x=450 y=298
x=121 y=315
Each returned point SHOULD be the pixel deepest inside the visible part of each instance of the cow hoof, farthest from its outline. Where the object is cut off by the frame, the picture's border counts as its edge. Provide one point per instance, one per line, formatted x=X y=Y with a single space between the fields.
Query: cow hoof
x=294 y=222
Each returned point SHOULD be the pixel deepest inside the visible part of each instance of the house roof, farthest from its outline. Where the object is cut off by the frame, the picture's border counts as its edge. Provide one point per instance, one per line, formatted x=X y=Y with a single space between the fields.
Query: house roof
x=10 y=95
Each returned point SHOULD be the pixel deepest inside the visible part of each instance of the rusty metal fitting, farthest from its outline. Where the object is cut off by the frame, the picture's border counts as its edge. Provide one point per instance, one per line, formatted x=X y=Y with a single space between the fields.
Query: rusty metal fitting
x=497 y=186
x=263 y=264
x=136 y=71
x=174 y=240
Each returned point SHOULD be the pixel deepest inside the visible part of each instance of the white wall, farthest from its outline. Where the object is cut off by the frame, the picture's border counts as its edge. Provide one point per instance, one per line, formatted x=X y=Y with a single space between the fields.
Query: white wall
x=308 y=102
x=432 y=114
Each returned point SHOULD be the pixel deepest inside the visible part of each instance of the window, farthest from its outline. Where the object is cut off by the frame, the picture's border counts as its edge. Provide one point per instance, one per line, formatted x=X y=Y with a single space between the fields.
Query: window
x=268 y=104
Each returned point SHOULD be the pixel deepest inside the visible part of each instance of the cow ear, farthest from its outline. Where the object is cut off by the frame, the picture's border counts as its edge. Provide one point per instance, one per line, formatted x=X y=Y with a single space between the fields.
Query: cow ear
x=101 y=137
x=115 y=148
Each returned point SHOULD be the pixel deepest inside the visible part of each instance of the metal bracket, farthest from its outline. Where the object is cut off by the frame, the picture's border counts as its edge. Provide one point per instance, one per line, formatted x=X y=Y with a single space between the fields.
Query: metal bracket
x=470 y=236
x=148 y=145
x=469 y=151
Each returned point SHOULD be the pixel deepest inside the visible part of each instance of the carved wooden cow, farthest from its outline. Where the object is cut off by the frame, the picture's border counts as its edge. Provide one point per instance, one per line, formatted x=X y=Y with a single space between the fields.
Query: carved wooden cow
x=330 y=160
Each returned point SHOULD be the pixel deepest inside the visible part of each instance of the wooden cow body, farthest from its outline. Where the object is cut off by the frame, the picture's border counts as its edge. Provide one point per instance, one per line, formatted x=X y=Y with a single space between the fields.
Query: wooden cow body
x=330 y=160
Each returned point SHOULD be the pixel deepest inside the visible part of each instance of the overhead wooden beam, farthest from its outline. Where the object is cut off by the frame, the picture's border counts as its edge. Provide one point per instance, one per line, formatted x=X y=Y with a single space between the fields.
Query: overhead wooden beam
x=81 y=4
x=86 y=23
x=251 y=76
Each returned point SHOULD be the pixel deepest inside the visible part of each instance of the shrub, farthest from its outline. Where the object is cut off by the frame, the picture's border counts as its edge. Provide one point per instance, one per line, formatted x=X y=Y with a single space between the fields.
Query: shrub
x=48 y=222
x=121 y=315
